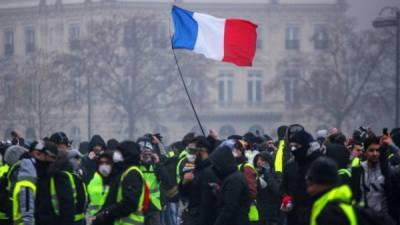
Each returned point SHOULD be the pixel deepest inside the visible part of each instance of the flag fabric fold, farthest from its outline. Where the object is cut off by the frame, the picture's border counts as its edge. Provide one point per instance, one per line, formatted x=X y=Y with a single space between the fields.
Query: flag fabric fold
x=228 y=40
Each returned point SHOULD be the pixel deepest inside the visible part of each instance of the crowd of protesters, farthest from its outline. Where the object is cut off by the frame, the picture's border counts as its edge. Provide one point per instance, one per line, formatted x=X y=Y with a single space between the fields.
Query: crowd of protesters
x=203 y=180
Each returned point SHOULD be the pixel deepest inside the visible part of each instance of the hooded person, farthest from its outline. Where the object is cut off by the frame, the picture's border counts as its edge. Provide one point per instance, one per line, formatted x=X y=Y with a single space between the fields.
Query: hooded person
x=322 y=135
x=132 y=192
x=89 y=161
x=341 y=155
x=296 y=203
x=268 y=193
x=21 y=180
x=112 y=144
x=282 y=155
x=61 y=196
x=234 y=202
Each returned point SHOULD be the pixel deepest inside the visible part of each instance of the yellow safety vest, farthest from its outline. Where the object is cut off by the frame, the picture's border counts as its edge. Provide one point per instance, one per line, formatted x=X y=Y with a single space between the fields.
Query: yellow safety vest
x=97 y=194
x=253 y=212
x=182 y=157
x=3 y=171
x=342 y=194
x=346 y=172
x=356 y=162
x=135 y=218
x=54 y=198
x=279 y=157
x=151 y=179
x=17 y=217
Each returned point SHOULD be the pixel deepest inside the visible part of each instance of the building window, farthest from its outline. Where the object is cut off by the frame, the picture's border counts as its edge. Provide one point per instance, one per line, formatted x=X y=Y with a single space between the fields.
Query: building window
x=225 y=88
x=290 y=83
x=260 y=35
x=29 y=40
x=8 y=42
x=9 y=83
x=226 y=131
x=74 y=32
x=292 y=40
x=254 y=87
x=320 y=36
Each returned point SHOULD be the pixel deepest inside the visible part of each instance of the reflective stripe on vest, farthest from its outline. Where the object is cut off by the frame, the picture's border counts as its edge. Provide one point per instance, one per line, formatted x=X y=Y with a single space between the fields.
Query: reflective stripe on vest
x=341 y=194
x=137 y=217
x=4 y=169
x=279 y=156
x=54 y=199
x=356 y=162
x=253 y=211
x=97 y=193
x=182 y=157
x=17 y=217
x=151 y=179
x=346 y=172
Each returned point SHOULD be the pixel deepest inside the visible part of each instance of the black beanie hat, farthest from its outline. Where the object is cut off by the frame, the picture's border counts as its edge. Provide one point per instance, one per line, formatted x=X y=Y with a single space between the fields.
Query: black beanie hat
x=202 y=142
x=250 y=138
x=302 y=137
x=338 y=153
x=130 y=151
x=323 y=171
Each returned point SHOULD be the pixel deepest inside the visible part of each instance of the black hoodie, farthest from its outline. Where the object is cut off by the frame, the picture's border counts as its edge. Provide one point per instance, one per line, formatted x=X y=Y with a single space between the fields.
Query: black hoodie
x=131 y=186
x=88 y=165
x=234 y=202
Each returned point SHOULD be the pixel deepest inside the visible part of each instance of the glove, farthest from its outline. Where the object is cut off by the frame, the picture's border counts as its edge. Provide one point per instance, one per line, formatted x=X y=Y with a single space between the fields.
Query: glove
x=287 y=203
x=263 y=183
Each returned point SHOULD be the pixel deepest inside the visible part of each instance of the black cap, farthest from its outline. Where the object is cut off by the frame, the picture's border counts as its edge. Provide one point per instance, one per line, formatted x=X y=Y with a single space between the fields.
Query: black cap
x=46 y=147
x=60 y=138
x=323 y=171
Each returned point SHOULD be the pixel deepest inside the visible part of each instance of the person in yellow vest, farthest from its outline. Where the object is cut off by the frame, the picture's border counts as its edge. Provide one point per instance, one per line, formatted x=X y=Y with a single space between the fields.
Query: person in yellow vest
x=332 y=204
x=153 y=174
x=21 y=185
x=99 y=185
x=132 y=192
x=4 y=167
x=356 y=153
x=61 y=197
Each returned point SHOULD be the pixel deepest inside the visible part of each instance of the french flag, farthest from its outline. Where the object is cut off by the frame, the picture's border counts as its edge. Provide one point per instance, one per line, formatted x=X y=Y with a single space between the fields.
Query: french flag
x=228 y=40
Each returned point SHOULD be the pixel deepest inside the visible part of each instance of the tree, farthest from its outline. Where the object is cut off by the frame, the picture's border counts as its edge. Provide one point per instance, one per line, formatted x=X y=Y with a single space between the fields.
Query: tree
x=338 y=81
x=130 y=65
x=41 y=95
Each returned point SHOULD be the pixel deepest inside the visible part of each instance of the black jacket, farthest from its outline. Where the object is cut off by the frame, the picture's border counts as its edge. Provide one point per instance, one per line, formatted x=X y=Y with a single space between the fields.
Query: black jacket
x=294 y=184
x=234 y=201
x=331 y=214
x=198 y=192
x=268 y=198
x=88 y=165
x=68 y=208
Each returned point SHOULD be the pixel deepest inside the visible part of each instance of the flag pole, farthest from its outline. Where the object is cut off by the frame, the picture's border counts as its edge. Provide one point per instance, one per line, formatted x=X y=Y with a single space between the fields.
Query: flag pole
x=184 y=83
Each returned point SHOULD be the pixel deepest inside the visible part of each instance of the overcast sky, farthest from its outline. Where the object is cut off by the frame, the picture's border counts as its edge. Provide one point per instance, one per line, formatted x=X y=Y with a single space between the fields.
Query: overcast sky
x=367 y=10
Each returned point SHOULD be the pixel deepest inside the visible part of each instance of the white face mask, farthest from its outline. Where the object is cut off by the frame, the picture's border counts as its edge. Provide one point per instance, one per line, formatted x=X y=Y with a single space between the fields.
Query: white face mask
x=105 y=170
x=191 y=158
x=117 y=157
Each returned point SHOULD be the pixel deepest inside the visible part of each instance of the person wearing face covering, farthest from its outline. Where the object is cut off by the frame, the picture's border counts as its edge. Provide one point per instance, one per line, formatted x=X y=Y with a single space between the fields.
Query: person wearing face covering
x=296 y=203
x=99 y=186
x=154 y=174
x=132 y=193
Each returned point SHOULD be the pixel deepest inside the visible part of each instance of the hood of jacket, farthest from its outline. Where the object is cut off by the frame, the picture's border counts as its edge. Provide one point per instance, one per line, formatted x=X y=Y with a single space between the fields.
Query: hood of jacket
x=266 y=157
x=223 y=161
x=96 y=140
x=27 y=170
